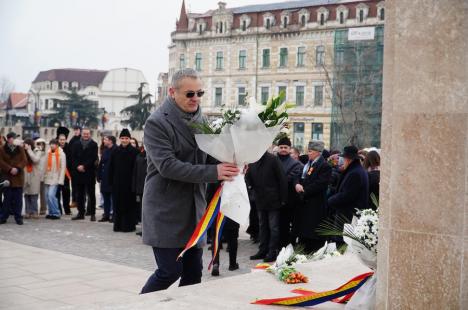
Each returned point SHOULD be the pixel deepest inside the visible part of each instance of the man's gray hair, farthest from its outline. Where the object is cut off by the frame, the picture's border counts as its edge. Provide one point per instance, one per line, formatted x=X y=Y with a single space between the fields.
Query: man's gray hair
x=183 y=73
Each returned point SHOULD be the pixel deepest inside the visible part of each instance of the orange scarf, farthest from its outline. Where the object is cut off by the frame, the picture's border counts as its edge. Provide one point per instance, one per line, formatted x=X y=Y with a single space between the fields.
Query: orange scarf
x=49 y=160
x=29 y=168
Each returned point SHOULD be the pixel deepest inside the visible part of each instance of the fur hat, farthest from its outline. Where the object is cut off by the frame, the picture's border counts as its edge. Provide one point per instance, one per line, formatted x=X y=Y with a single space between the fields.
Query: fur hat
x=125 y=133
x=284 y=141
x=350 y=152
x=63 y=131
x=316 y=145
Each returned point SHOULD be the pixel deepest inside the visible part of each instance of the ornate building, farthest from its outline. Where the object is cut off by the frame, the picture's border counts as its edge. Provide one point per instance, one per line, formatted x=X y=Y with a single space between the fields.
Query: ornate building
x=261 y=50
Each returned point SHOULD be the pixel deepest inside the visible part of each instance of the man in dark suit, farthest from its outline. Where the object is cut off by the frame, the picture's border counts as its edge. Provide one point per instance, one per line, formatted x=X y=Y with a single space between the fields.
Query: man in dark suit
x=84 y=157
x=313 y=190
x=353 y=187
x=269 y=182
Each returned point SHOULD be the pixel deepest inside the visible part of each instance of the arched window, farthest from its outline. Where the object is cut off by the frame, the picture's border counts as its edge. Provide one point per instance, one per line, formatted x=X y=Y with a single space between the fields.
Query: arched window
x=303 y=20
x=221 y=27
x=244 y=25
x=382 y=14
x=285 y=22
x=268 y=23
x=200 y=29
x=322 y=19
x=341 y=18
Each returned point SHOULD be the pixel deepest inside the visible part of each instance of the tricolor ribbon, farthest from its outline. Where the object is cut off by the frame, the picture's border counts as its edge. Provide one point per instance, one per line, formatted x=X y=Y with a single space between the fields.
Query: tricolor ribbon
x=217 y=237
x=311 y=298
x=205 y=222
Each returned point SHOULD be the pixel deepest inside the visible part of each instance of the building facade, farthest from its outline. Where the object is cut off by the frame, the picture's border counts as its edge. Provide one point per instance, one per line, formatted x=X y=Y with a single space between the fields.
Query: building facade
x=110 y=89
x=261 y=50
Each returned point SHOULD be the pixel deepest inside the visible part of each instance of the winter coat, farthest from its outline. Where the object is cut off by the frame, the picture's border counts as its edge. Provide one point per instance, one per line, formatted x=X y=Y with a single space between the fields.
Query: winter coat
x=139 y=173
x=56 y=174
x=13 y=159
x=352 y=192
x=86 y=157
x=374 y=186
x=293 y=170
x=312 y=211
x=175 y=186
x=269 y=182
x=32 y=180
x=103 y=170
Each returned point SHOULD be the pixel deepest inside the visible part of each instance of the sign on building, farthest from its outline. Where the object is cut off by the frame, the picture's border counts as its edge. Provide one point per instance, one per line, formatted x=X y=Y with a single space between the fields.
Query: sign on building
x=361 y=33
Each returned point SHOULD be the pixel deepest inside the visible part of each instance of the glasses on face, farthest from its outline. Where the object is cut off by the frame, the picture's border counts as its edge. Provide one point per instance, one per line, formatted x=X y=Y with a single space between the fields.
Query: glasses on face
x=191 y=94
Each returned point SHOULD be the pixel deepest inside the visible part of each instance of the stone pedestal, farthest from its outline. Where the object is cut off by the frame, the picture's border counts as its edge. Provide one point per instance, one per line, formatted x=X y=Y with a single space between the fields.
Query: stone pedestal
x=423 y=241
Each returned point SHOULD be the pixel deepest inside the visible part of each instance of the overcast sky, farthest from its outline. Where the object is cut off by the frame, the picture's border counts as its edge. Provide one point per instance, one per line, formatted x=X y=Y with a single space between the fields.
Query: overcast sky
x=40 y=35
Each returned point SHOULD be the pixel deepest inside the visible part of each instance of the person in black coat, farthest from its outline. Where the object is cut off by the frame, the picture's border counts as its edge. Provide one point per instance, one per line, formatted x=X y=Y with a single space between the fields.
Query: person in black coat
x=268 y=180
x=122 y=162
x=312 y=187
x=353 y=188
x=138 y=181
x=293 y=169
x=76 y=138
x=84 y=156
x=103 y=177
x=372 y=165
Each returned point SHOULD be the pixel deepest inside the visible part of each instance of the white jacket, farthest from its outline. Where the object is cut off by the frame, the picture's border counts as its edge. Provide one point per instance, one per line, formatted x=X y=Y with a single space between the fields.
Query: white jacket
x=56 y=175
x=32 y=180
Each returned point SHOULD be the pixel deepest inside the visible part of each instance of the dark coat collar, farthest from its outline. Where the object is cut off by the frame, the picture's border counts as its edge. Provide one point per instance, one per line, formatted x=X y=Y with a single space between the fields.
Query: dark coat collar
x=173 y=115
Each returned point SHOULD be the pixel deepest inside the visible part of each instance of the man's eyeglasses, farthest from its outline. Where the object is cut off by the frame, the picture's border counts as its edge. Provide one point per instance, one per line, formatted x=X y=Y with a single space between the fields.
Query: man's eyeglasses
x=191 y=94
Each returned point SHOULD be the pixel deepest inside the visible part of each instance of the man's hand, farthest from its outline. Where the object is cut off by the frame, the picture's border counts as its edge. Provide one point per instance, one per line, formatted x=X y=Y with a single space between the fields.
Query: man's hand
x=80 y=168
x=299 y=188
x=14 y=171
x=226 y=172
x=27 y=147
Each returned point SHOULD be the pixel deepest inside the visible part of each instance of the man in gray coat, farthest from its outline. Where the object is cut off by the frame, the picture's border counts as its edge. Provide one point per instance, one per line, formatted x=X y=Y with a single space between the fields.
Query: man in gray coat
x=174 y=196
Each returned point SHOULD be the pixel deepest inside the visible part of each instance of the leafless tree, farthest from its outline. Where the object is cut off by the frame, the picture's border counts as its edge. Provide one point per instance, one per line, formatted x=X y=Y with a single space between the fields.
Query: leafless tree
x=6 y=87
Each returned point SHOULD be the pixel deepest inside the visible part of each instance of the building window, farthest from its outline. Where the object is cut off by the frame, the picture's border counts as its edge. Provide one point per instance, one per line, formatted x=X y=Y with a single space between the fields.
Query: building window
x=218 y=96
x=361 y=16
x=382 y=14
x=47 y=104
x=268 y=24
x=318 y=95
x=244 y=25
x=299 y=95
x=317 y=131
x=198 y=61
x=298 y=135
x=339 y=57
x=285 y=22
x=181 y=61
x=242 y=58
x=322 y=19
x=220 y=27
x=341 y=17
x=283 y=57
x=303 y=20
x=265 y=94
x=301 y=56
x=320 y=55
x=282 y=89
x=266 y=58
x=219 y=61
x=242 y=94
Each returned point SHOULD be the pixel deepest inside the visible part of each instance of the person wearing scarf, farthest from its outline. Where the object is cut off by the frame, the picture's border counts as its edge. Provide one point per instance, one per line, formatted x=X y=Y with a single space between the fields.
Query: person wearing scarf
x=32 y=180
x=56 y=163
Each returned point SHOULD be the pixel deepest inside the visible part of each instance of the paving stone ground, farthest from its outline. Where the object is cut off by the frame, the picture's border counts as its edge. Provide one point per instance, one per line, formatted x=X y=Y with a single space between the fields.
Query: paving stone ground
x=97 y=241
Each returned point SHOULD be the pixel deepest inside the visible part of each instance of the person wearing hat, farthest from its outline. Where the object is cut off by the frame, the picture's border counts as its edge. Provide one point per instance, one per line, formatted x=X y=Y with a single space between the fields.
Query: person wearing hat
x=353 y=187
x=12 y=162
x=76 y=138
x=84 y=155
x=103 y=177
x=41 y=152
x=312 y=189
x=121 y=165
x=293 y=169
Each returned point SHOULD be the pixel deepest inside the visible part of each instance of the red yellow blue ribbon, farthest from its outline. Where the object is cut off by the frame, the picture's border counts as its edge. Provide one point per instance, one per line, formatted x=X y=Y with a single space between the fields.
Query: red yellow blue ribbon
x=217 y=237
x=311 y=298
x=205 y=222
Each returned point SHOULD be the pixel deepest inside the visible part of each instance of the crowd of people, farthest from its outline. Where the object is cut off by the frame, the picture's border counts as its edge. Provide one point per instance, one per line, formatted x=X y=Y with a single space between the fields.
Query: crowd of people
x=56 y=177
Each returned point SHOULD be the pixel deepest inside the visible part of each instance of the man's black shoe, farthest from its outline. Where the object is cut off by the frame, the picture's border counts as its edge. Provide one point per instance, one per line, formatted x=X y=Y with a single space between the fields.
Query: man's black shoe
x=48 y=216
x=78 y=217
x=19 y=221
x=215 y=271
x=139 y=233
x=233 y=267
x=93 y=218
x=258 y=256
x=269 y=258
x=54 y=217
x=104 y=219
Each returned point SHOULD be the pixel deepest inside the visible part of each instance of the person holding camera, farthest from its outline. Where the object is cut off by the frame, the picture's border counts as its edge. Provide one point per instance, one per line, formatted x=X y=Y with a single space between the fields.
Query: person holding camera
x=12 y=163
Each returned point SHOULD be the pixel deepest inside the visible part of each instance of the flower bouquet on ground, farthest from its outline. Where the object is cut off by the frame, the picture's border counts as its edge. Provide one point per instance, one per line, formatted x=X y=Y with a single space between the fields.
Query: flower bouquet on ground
x=361 y=238
x=327 y=251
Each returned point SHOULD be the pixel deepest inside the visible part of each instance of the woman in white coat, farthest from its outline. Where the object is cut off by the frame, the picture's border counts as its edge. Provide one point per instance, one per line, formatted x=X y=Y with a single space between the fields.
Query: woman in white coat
x=54 y=175
x=41 y=147
x=33 y=174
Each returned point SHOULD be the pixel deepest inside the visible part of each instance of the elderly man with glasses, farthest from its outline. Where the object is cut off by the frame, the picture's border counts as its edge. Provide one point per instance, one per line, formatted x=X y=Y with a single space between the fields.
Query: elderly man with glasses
x=174 y=195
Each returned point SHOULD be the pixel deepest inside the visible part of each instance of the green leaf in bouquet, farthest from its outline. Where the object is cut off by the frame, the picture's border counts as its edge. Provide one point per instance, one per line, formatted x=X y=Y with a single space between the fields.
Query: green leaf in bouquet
x=204 y=128
x=374 y=200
